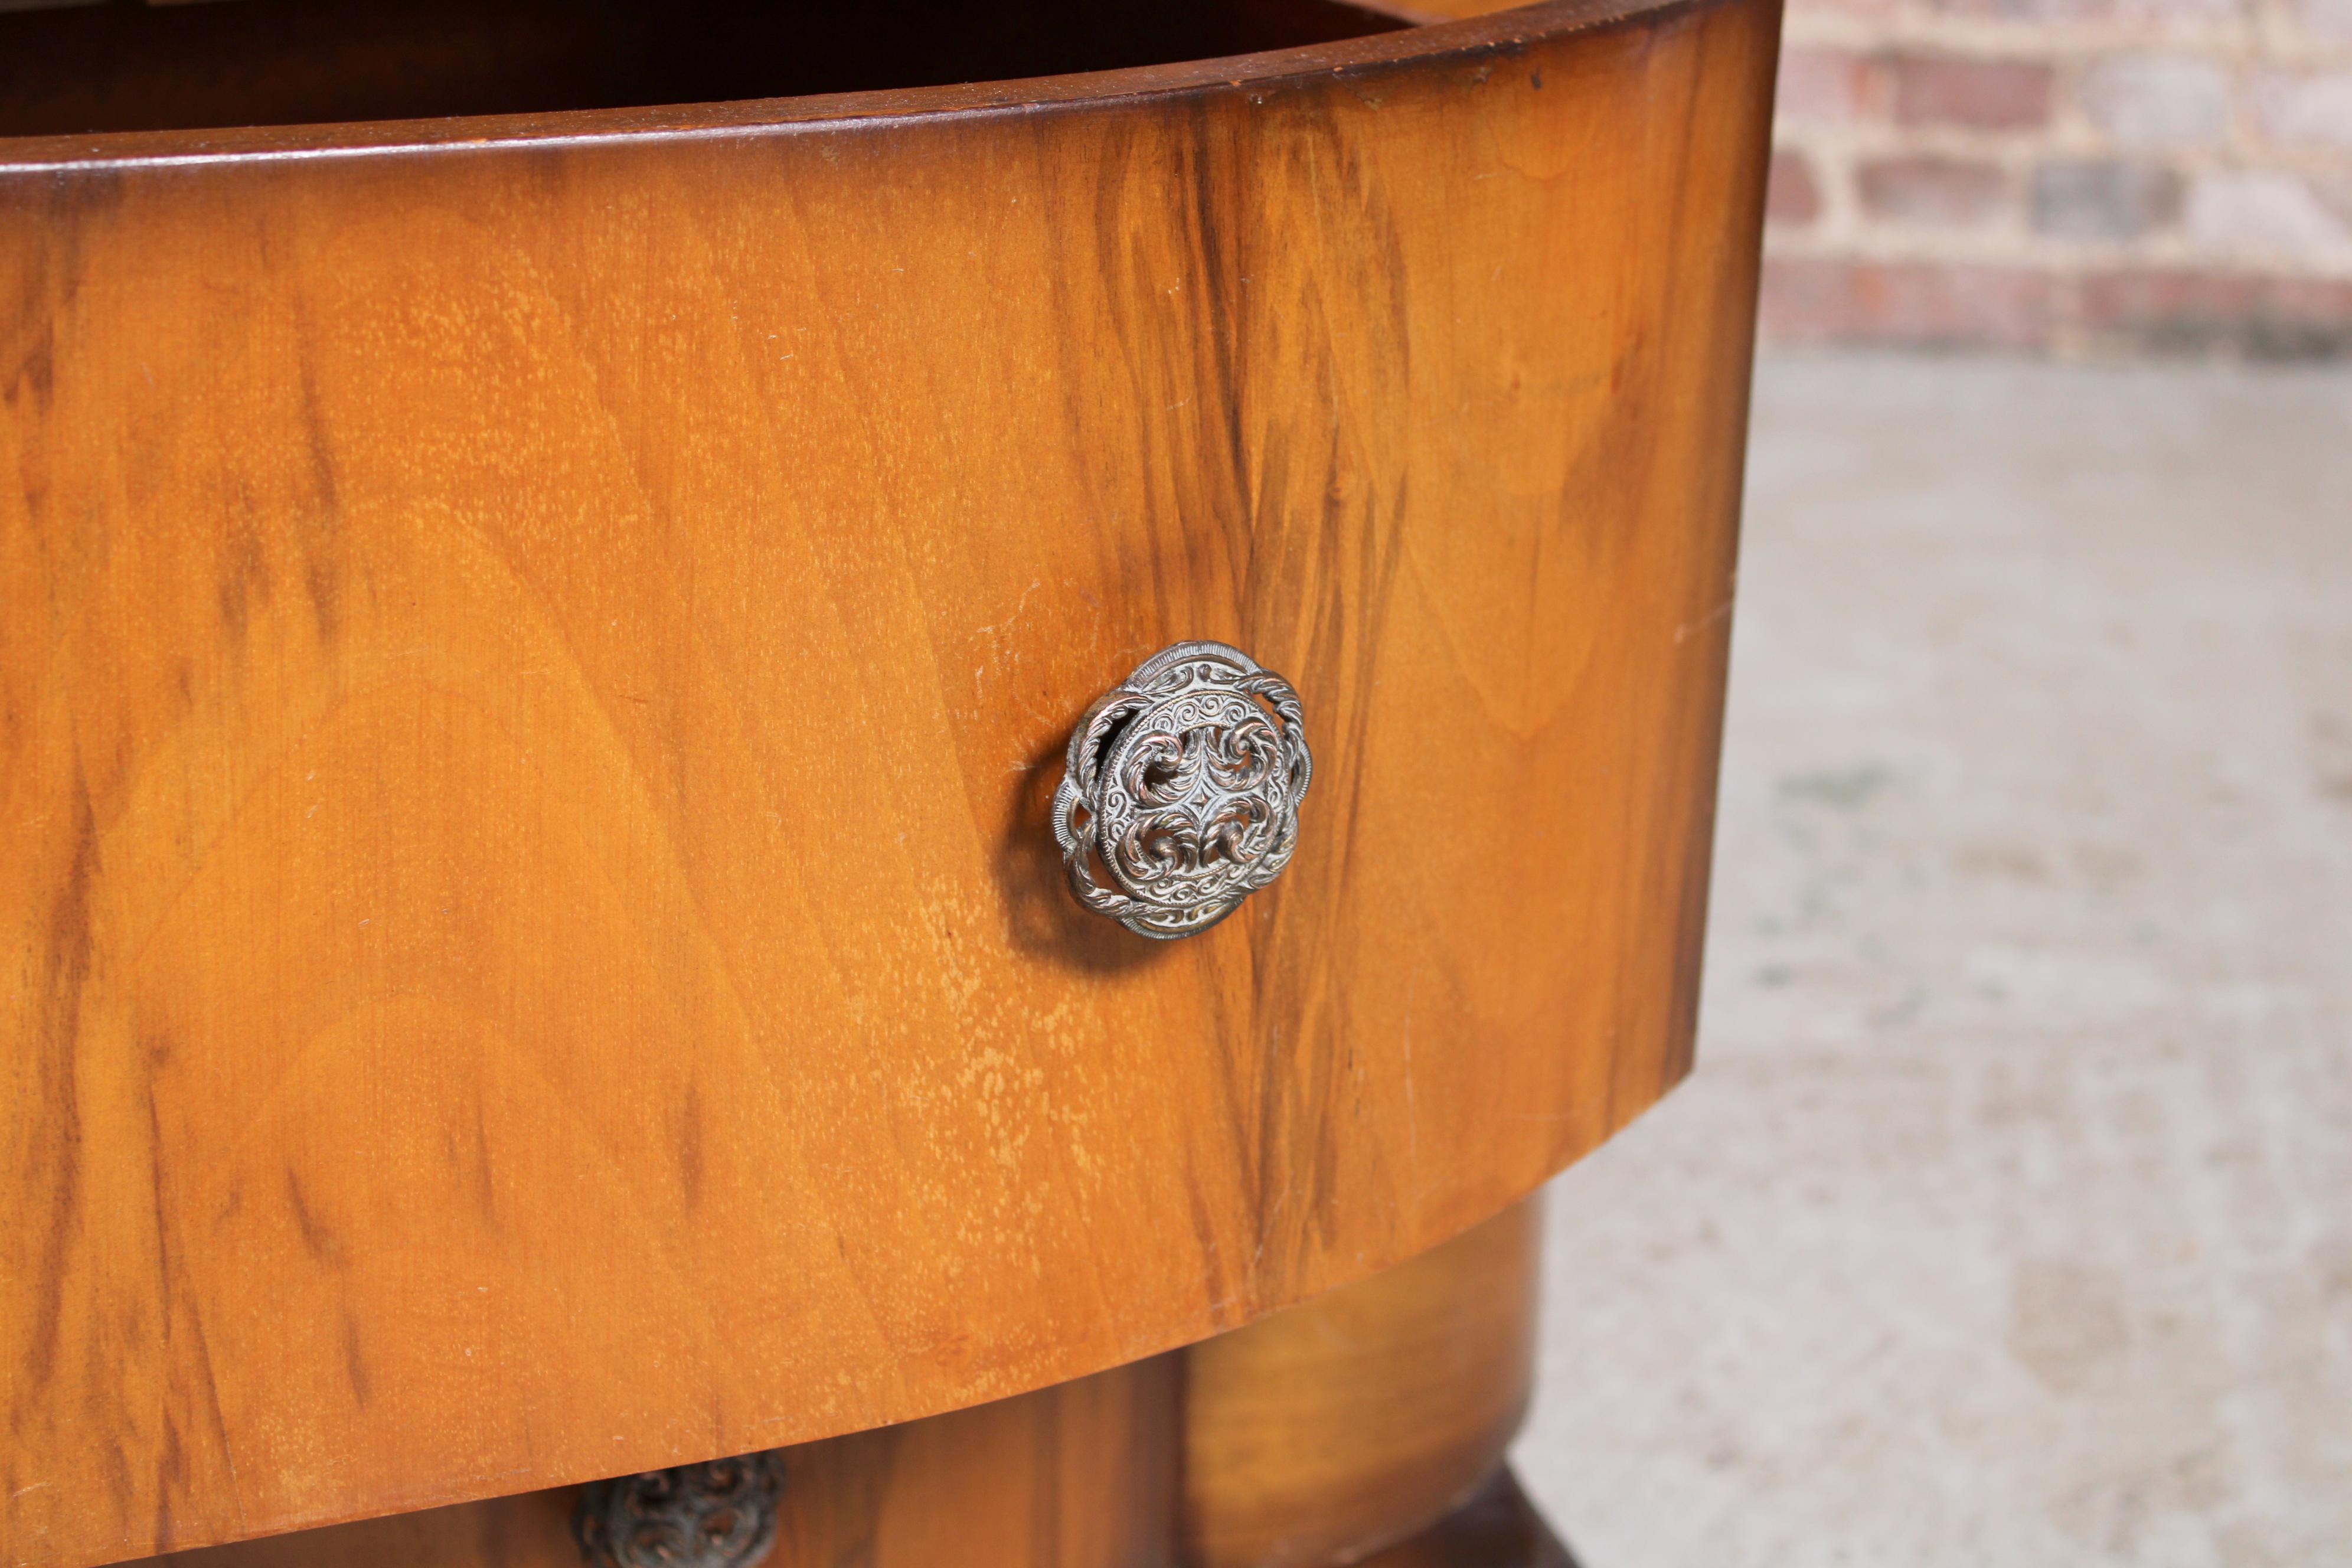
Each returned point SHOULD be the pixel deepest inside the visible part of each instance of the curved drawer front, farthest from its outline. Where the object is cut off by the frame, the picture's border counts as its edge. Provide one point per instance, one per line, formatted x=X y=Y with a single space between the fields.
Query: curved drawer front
x=532 y=677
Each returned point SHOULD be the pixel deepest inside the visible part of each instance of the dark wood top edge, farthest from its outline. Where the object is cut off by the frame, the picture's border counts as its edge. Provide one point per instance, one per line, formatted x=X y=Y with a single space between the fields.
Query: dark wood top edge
x=1436 y=43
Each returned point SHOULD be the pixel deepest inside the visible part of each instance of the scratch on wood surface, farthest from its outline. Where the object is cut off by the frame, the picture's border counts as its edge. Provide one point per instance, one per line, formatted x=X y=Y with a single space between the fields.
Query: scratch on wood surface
x=1689 y=630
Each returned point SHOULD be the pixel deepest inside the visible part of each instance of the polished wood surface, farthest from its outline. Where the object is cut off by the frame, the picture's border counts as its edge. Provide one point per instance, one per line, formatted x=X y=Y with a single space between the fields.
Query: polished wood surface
x=1078 y=1476
x=533 y=1530
x=1075 y=1476
x=1371 y=1422
x=1329 y=1431
x=533 y=655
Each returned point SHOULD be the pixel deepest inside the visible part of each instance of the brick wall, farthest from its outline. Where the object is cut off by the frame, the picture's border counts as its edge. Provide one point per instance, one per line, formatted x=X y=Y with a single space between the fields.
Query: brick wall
x=2065 y=175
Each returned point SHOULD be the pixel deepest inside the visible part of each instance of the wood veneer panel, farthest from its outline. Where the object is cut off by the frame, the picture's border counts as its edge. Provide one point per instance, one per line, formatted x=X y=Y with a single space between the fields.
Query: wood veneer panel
x=533 y=1530
x=531 y=672
x=1343 y=1425
x=1081 y=1475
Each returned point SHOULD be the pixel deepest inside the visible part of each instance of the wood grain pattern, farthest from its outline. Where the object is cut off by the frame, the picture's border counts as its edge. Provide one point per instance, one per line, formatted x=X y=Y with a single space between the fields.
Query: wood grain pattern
x=1081 y=1475
x=533 y=1530
x=1339 y=1427
x=532 y=658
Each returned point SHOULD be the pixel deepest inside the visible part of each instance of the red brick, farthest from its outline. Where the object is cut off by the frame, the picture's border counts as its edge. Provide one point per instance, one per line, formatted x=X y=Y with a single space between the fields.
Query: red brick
x=2326 y=18
x=2158 y=100
x=2265 y=209
x=1953 y=89
x=2176 y=312
x=2103 y=199
x=1915 y=304
x=1923 y=188
x=2156 y=17
x=1830 y=87
x=1793 y=197
x=2314 y=110
x=1871 y=10
x=2036 y=10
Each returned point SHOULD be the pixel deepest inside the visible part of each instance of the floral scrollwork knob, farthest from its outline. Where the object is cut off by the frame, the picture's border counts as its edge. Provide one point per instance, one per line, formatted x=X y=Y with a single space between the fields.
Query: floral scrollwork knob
x=717 y=1515
x=1181 y=797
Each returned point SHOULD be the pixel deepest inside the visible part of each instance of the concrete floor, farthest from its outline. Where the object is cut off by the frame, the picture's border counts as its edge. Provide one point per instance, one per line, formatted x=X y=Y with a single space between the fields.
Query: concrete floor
x=2007 y=1219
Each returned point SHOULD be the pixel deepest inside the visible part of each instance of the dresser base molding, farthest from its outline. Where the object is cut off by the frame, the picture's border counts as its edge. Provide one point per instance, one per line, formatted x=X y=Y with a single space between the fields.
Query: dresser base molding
x=1081 y=1475
x=1368 y=1425
x=1497 y=1528
x=1363 y=1418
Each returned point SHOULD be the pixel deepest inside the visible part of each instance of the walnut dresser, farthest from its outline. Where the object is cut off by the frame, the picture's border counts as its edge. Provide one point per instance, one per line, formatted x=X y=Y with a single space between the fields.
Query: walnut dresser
x=840 y=786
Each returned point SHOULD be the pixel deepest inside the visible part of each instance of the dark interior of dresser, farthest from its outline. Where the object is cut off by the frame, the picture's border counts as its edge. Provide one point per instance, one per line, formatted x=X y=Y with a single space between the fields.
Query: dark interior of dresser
x=138 y=65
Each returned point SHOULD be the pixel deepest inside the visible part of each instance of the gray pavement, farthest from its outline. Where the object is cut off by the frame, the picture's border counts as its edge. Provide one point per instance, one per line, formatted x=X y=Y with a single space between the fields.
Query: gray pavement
x=2007 y=1218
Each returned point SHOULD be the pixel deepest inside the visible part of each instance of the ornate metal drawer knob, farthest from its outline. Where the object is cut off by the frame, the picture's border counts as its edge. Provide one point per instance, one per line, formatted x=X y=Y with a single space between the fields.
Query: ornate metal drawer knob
x=1183 y=788
x=718 y=1515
